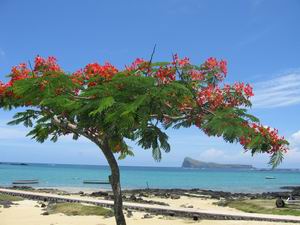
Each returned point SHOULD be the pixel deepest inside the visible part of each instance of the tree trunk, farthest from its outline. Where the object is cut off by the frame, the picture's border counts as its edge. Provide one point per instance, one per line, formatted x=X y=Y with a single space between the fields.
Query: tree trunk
x=115 y=184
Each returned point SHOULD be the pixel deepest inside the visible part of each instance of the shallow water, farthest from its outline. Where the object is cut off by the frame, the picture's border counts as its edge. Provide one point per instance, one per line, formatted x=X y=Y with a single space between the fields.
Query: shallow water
x=72 y=176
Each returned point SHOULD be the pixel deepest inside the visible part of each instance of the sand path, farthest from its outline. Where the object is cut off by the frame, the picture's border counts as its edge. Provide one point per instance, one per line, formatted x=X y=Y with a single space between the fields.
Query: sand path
x=25 y=213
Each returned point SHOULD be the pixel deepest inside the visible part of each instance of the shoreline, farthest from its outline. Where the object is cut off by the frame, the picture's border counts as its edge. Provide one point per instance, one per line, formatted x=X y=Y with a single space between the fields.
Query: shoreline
x=195 y=201
x=280 y=189
x=285 y=191
x=141 y=206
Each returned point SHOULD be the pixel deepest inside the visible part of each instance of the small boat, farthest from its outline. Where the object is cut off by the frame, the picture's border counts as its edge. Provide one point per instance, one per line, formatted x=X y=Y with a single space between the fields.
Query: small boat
x=270 y=178
x=25 y=182
x=95 y=182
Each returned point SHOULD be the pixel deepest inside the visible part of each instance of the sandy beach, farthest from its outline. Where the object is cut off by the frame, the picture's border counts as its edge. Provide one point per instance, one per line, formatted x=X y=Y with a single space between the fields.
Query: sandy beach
x=29 y=212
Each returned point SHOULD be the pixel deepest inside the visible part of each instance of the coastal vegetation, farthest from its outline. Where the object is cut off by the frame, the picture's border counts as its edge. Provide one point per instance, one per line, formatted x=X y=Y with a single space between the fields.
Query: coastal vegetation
x=6 y=197
x=109 y=106
x=264 y=206
x=77 y=209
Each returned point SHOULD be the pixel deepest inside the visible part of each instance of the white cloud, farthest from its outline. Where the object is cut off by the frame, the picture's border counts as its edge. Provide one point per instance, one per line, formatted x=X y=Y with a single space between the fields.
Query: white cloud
x=295 y=138
x=11 y=133
x=211 y=154
x=18 y=133
x=281 y=91
x=292 y=157
x=223 y=156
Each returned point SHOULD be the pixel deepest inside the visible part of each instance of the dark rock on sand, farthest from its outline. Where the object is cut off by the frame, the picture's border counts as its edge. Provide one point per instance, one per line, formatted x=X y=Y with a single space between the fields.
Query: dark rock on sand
x=129 y=197
x=6 y=204
x=175 y=196
x=148 y=216
x=45 y=213
x=99 y=194
x=129 y=213
x=199 y=193
x=23 y=188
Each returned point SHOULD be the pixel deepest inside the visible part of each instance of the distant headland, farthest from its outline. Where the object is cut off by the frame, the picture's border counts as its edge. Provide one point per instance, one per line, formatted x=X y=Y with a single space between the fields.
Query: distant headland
x=193 y=163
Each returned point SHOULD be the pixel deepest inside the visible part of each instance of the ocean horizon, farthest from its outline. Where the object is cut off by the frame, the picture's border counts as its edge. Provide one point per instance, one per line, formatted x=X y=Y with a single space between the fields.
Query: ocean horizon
x=71 y=176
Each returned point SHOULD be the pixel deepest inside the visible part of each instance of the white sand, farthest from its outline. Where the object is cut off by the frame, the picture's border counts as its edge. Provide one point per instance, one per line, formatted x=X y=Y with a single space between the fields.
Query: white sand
x=25 y=213
x=197 y=203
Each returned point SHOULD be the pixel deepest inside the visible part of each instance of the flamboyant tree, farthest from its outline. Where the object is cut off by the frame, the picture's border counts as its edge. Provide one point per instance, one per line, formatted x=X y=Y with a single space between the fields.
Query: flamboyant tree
x=108 y=106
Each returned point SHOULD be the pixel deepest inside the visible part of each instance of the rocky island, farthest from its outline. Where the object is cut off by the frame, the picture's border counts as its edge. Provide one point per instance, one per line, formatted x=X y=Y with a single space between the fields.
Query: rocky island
x=193 y=163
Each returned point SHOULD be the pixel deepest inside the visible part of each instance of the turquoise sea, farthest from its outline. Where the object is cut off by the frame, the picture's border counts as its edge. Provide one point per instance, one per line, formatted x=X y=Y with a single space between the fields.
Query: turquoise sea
x=72 y=176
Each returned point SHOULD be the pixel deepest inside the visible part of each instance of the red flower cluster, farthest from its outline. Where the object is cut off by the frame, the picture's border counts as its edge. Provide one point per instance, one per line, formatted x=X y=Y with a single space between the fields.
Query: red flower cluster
x=223 y=66
x=94 y=70
x=211 y=63
x=180 y=62
x=166 y=74
x=266 y=132
x=196 y=75
x=19 y=72
x=211 y=96
x=137 y=64
x=219 y=68
x=229 y=96
x=246 y=88
x=2 y=88
x=46 y=65
x=78 y=77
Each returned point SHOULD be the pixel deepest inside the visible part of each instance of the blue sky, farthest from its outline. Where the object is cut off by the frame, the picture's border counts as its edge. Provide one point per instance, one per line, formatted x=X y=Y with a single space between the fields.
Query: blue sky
x=260 y=39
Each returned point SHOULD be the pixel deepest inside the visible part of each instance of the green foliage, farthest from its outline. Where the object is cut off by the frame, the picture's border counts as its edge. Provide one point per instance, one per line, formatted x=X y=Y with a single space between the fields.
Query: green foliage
x=276 y=159
x=25 y=117
x=126 y=107
x=77 y=209
x=104 y=104
x=151 y=137
x=265 y=206
x=6 y=197
x=228 y=123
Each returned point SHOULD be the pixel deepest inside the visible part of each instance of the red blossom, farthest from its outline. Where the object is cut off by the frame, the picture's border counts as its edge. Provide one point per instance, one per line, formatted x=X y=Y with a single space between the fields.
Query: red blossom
x=78 y=77
x=181 y=62
x=46 y=65
x=107 y=71
x=219 y=69
x=223 y=66
x=196 y=75
x=248 y=90
x=184 y=61
x=19 y=72
x=211 y=96
x=2 y=88
x=276 y=141
x=245 y=141
x=229 y=96
x=211 y=63
x=166 y=74
x=136 y=64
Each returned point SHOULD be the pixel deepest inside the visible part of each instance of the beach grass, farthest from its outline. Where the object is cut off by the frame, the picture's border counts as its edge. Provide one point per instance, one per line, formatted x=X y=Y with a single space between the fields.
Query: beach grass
x=264 y=206
x=6 y=197
x=77 y=209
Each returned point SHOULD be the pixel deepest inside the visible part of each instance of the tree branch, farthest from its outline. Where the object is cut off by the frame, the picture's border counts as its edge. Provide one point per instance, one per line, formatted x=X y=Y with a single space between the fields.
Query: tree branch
x=152 y=54
x=69 y=126
x=171 y=117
